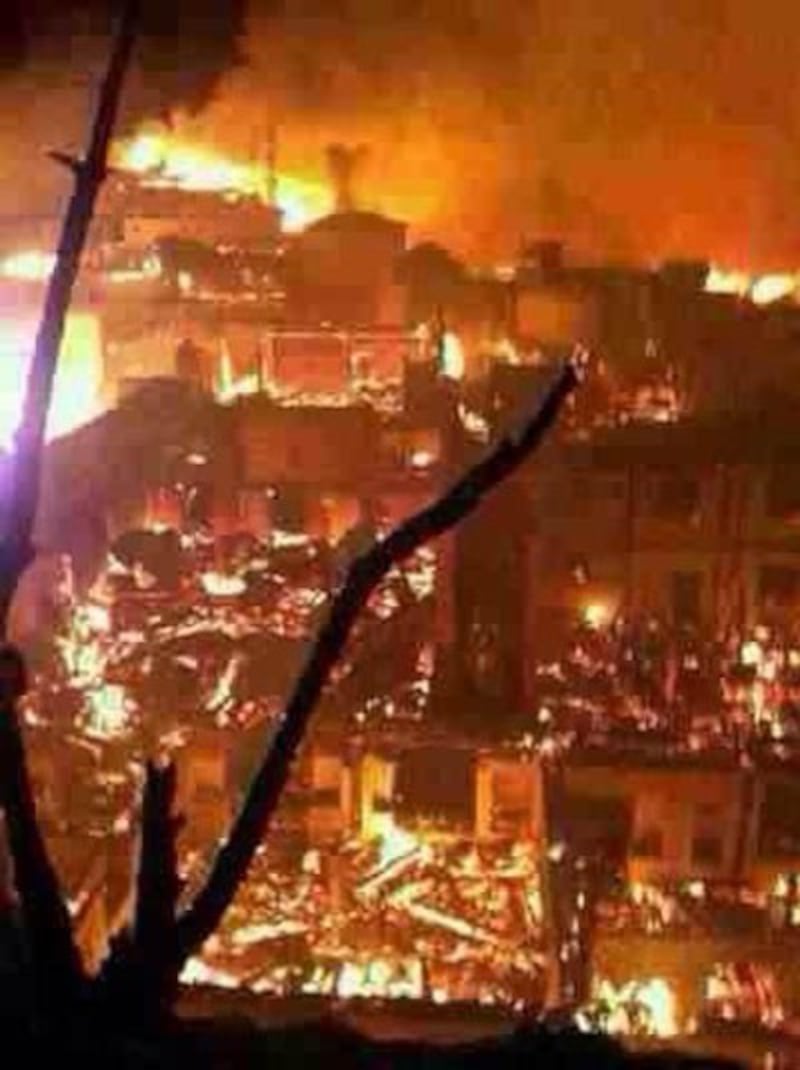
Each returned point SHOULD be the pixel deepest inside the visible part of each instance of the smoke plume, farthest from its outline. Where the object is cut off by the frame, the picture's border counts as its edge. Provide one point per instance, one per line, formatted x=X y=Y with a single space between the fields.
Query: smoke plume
x=632 y=128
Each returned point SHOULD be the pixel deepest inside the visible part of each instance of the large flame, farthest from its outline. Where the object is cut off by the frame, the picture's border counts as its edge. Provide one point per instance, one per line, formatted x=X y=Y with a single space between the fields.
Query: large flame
x=760 y=289
x=77 y=390
x=163 y=157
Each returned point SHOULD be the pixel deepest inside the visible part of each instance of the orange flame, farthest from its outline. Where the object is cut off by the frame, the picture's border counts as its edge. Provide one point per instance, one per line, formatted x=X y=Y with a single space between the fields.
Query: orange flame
x=760 y=289
x=163 y=158
x=77 y=392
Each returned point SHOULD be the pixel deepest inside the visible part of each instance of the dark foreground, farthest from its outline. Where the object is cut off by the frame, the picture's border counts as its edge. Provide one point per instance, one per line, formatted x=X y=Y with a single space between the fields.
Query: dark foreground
x=233 y=1043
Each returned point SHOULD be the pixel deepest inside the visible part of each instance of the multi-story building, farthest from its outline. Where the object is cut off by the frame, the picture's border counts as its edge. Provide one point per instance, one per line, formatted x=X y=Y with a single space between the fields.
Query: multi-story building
x=694 y=523
x=342 y=272
x=509 y=797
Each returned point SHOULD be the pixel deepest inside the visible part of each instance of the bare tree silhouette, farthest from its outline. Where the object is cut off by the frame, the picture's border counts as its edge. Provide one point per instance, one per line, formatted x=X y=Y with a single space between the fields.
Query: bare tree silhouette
x=136 y=986
x=55 y=963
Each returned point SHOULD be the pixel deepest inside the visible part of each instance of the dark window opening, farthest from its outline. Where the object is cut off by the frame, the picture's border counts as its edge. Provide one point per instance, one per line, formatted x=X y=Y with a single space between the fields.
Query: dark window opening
x=779 y=820
x=707 y=850
x=686 y=597
x=289 y=509
x=783 y=493
x=648 y=844
x=779 y=585
x=675 y=497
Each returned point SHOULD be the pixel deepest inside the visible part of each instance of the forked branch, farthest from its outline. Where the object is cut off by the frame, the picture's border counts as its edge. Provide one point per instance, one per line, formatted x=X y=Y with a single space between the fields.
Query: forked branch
x=234 y=856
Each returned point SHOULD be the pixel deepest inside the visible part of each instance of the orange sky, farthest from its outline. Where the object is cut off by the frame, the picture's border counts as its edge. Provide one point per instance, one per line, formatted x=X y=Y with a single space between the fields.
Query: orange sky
x=632 y=127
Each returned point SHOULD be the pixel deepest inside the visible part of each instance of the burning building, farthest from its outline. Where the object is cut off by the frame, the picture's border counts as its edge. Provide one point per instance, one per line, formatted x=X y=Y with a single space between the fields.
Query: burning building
x=344 y=272
x=79 y=392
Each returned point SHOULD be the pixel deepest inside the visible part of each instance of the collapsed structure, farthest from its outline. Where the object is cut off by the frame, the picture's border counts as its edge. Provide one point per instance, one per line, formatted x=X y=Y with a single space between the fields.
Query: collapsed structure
x=270 y=402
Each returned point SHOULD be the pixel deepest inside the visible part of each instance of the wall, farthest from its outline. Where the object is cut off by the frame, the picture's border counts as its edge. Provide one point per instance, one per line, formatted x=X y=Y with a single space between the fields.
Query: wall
x=685 y=963
x=676 y=806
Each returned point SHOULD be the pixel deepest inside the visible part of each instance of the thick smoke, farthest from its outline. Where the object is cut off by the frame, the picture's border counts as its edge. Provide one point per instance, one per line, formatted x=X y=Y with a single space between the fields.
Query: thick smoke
x=633 y=128
x=52 y=54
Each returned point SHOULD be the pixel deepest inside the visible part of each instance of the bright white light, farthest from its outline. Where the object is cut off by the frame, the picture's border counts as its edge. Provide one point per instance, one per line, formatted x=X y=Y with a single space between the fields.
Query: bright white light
x=29 y=266
x=76 y=394
x=452 y=356
x=108 y=711
x=220 y=585
x=596 y=614
x=720 y=281
x=771 y=288
x=422 y=459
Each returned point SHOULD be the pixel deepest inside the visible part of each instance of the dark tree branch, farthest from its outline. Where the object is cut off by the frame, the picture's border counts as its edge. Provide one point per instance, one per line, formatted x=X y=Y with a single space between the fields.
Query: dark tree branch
x=157 y=885
x=234 y=856
x=138 y=979
x=54 y=959
x=17 y=549
x=55 y=962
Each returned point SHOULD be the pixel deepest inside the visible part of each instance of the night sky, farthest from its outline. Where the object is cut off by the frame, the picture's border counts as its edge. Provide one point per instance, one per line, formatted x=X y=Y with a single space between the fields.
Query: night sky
x=633 y=128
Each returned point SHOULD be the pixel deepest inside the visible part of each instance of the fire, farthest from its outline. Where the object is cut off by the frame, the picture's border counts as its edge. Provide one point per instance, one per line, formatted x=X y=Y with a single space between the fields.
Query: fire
x=76 y=398
x=108 y=712
x=452 y=356
x=760 y=289
x=222 y=585
x=381 y=978
x=596 y=614
x=771 y=288
x=163 y=158
x=28 y=266
x=722 y=281
x=395 y=842
x=638 y=1007
x=229 y=387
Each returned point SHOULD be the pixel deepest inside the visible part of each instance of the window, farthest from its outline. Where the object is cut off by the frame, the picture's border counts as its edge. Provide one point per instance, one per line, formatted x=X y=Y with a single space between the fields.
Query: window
x=686 y=597
x=615 y=488
x=778 y=585
x=707 y=850
x=674 y=496
x=783 y=493
x=649 y=844
x=779 y=822
x=289 y=508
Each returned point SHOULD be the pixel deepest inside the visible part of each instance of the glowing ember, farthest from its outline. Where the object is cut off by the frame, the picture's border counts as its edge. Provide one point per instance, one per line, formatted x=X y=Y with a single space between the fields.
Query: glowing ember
x=150 y=268
x=381 y=979
x=638 y=1007
x=229 y=387
x=221 y=585
x=596 y=614
x=422 y=459
x=162 y=158
x=196 y=972
x=395 y=842
x=108 y=711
